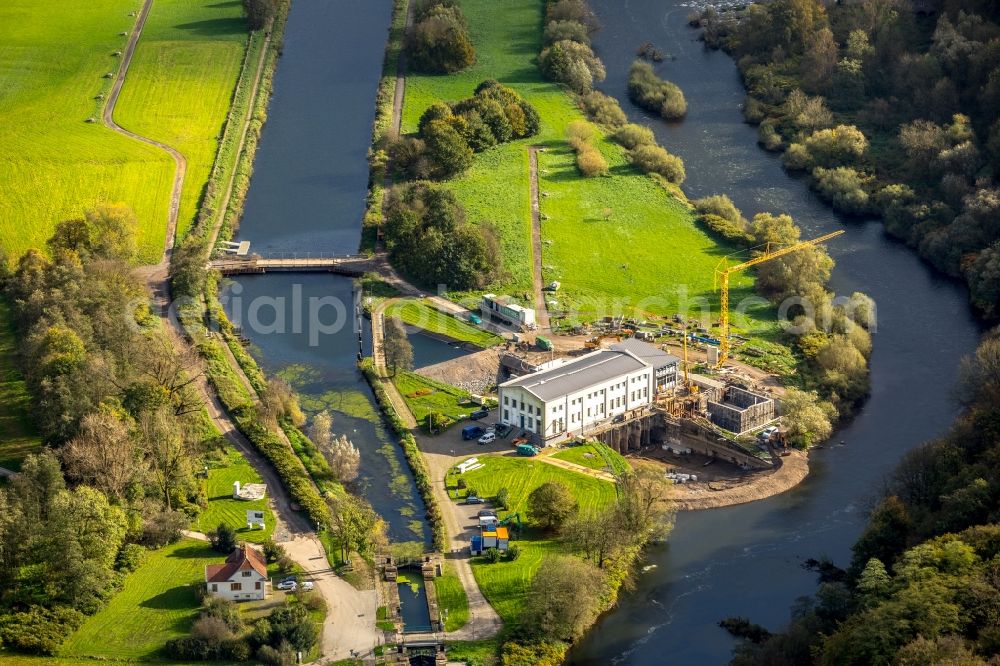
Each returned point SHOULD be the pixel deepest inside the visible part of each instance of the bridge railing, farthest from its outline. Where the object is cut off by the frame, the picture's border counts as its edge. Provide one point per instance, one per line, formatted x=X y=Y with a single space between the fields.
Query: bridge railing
x=306 y=255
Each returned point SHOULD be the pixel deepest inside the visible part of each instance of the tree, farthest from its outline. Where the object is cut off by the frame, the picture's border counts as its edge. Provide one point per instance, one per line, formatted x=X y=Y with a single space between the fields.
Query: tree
x=564 y=597
x=644 y=501
x=819 y=61
x=104 y=455
x=396 y=345
x=113 y=229
x=571 y=63
x=167 y=453
x=654 y=159
x=651 y=92
x=259 y=12
x=446 y=148
x=598 y=537
x=224 y=539
x=551 y=504
x=344 y=459
x=439 y=43
x=806 y=421
x=321 y=430
x=356 y=526
x=885 y=536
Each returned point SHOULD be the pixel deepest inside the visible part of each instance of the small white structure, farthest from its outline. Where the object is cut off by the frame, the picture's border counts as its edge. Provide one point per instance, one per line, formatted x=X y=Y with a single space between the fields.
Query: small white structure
x=243 y=576
x=505 y=310
x=251 y=491
x=255 y=519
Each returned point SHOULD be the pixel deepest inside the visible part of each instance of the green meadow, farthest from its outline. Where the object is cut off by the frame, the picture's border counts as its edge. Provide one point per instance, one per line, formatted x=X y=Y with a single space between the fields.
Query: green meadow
x=157 y=603
x=181 y=83
x=53 y=57
x=54 y=62
x=619 y=243
x=419 y=313
x=222 y=508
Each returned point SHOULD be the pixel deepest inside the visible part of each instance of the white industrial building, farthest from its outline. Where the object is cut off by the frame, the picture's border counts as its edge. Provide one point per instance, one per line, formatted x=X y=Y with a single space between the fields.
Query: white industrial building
x=566 y=399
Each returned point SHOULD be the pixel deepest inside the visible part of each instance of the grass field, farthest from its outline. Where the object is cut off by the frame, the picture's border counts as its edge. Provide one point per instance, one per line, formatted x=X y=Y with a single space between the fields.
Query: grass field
x=222 y=508
x=158 y=603
x=649 y=256
x=424 y=396
x=418 y=313
x=17 y=433
x=54 y=164
x=451 y=596
x=181 y=83
x=588 y=456
x=505 y=584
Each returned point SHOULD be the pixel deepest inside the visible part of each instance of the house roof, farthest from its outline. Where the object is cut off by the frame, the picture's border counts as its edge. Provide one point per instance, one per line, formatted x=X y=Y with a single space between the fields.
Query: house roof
x=244 y=558
x=591 y=369
x=501 y=532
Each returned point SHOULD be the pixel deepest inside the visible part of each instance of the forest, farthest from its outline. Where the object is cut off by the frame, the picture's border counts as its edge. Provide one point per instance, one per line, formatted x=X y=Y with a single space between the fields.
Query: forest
x=887 y=111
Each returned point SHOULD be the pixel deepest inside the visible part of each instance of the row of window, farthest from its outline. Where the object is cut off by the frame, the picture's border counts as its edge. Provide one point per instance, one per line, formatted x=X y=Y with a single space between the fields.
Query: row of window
x=236 y=587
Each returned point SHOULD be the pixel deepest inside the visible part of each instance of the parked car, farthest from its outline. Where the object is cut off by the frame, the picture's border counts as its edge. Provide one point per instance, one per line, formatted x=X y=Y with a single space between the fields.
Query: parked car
x=307 y=585
x=486 y=512
x=472 y=432
x=292 y=578
x=472 y=499
x=488 y=438
x=766 y=434
x=288 y=585
x=479 y=414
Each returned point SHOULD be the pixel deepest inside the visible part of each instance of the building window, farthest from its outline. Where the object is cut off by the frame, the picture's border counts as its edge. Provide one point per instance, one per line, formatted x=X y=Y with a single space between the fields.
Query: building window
x=506 y=400
x=246 y=574
x=506 y=414
x=538 y=425
x=236 y=587
x=215 y=587
x=256 y=585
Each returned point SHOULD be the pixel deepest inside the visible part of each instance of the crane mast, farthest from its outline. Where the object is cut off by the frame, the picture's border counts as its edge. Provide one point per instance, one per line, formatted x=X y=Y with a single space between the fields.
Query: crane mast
x=722 y=281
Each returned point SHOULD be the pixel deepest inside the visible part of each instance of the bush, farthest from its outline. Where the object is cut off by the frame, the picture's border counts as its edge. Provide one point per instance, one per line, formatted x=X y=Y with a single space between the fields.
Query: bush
x=572 y=64
x=532 y=654
x=513 y=552
x=503 y=499
x=39 y=630
x=273 y=551
x=557 y=31
x=130 y=557
x=439 y=42
x=223 y=538
x=591 y=163
x=603 y=109
x=722 y=217
x=654 y=94
x=844 y=188
x=631 y=136
x=796 y=157
x=654 y=159
x=493 y=555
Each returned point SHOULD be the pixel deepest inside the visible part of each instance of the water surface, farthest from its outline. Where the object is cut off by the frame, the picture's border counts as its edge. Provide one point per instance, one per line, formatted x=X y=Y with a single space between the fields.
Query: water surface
x=747 y=560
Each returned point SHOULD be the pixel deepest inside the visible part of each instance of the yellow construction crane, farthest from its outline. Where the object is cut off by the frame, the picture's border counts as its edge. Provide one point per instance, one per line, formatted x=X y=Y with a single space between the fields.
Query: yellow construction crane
x=722 y=283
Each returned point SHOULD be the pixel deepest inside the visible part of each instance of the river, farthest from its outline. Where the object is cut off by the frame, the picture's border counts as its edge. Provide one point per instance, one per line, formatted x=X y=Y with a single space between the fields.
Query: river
x=747 y=560
x=307 y=194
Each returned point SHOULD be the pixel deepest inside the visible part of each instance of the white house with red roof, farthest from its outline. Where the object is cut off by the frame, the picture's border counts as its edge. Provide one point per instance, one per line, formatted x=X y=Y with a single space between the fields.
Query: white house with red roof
x=243 y=576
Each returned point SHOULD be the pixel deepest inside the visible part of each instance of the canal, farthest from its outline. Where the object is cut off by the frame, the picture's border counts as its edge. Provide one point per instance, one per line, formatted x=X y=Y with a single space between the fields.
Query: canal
x=307 y=194
x=747 y=560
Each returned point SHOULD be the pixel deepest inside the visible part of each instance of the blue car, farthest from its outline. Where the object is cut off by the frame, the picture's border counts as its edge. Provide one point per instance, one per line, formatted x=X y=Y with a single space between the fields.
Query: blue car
x=472 y=432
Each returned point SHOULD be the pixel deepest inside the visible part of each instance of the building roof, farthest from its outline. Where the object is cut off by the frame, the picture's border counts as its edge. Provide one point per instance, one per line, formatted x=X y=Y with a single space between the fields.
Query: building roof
x=244 y=558
x=650 y=354
x=591 y=369
x=501 y=532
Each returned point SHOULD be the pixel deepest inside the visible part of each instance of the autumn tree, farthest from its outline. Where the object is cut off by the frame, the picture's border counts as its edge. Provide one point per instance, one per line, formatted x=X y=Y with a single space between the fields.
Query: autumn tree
x=396 y=345
x=356 y=526
x=564 y=598
x=104 y=455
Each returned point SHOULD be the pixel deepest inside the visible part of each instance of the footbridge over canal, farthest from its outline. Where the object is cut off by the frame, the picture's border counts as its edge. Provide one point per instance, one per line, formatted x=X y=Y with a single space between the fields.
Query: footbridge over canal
x=353 y=265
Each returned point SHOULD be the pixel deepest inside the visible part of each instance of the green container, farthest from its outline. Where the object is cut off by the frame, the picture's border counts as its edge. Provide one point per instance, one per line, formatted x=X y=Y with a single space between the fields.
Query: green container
x=543 y=343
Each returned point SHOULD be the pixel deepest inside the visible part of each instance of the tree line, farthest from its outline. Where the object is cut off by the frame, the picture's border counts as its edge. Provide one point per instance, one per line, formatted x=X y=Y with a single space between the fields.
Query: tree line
x=922 y=584
x=115 y=402
x=439 y=42
x=889 y=113
x=426 y=230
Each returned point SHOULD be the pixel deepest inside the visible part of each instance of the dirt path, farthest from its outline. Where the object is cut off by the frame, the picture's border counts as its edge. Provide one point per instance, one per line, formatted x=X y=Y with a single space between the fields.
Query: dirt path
x=541 y=312
x=107 y=118
x=573 y=467
x=378 y=356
